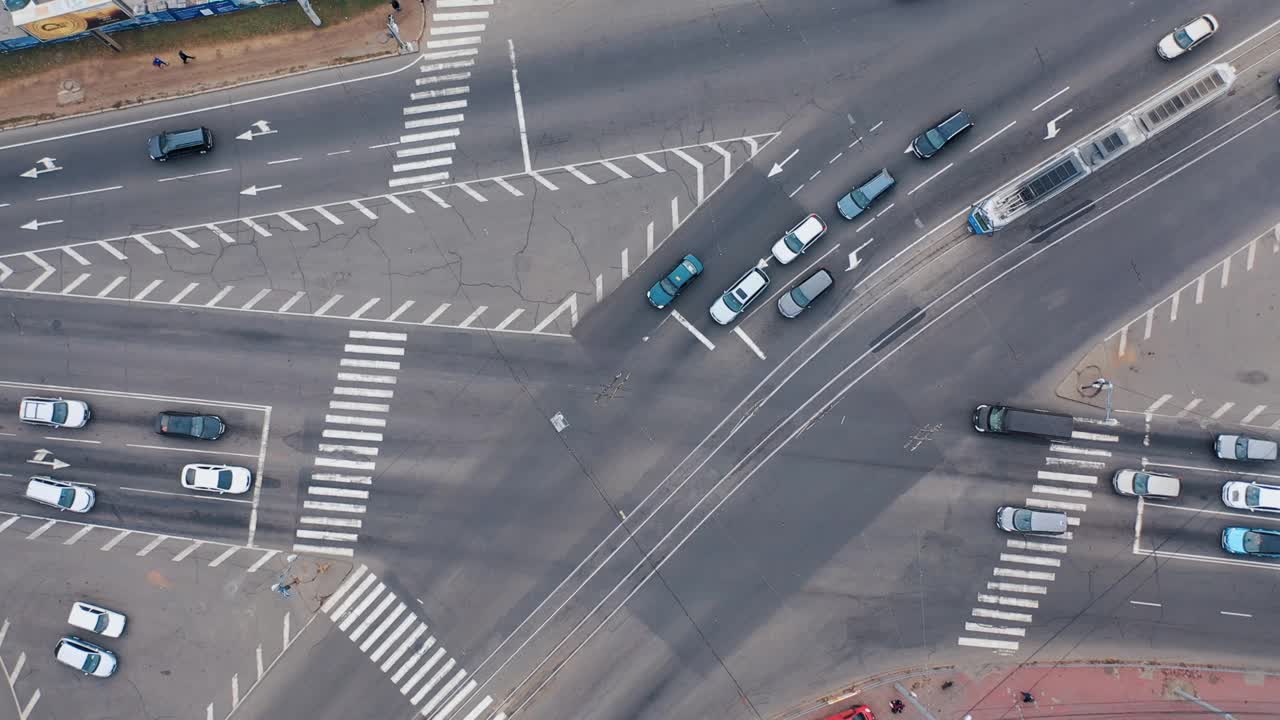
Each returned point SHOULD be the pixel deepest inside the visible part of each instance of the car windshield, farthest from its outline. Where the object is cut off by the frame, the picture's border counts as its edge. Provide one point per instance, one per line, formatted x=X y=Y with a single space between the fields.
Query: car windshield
x=668 y=287
x=197 y=425
x=66 y=497
x=731 y=302
x=1140 y=483
x=799 y=297
x=59 y=412
x=689 y=268
x=1183 y=38
x=101 y=624
x=934 y=138
x=793 y=242
x=90 y=663
x=859 y=199
x=995 y=419
x=1022 y=520
x=224 y=479
x=1242 y=447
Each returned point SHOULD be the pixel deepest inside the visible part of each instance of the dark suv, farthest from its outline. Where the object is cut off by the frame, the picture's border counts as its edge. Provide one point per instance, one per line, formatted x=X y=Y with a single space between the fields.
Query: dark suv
x=931 y=141
x=180 y=142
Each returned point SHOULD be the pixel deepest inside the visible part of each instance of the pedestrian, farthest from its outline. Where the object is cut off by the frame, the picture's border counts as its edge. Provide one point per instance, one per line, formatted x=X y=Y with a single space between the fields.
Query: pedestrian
x=1028 y=697
x=395 y=5
x=185 y=57
x=896 y=706
x=158 y=62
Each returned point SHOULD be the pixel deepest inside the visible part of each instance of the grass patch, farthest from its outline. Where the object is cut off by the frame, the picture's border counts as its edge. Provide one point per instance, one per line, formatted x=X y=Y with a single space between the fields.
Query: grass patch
x=165 y=40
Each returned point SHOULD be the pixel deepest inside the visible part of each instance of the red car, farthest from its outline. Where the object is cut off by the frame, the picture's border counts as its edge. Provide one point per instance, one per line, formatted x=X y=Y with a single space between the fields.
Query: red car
x=858 y=712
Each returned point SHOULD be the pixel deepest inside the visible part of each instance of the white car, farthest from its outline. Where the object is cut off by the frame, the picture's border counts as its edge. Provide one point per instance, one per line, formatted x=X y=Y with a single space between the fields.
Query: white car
x=1152 y=486
x=1187 y=36
x=799 y=238
x=96 y=619
x=60 y=494
x=54 y=412
x=85 y=657
x=217 y=478
x=739 y=295
x=1251 y=496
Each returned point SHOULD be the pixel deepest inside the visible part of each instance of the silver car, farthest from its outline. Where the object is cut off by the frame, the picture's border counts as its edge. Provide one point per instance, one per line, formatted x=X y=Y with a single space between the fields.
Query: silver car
x=1251 y=496
x=1243 y=447
x=1033 y=522
x=54 y=412
x=794 y=301
x=1148 y=485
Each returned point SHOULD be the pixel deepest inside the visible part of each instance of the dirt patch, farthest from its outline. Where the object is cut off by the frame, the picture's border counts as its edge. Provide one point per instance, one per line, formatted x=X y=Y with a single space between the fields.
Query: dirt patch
x=73 y=78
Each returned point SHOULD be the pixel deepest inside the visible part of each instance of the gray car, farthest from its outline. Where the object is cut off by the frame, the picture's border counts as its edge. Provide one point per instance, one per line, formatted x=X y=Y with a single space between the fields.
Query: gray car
x=1243 y=447
x=795 y=300
x=860 y=198
x=931 y=141
x=1034 y=522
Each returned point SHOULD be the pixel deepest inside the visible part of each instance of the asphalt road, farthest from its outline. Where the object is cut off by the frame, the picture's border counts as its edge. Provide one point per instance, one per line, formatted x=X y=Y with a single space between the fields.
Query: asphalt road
x=480 y=504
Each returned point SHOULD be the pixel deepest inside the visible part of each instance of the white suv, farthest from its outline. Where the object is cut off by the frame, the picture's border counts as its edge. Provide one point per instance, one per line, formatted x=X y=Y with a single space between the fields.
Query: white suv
x=739 y=295
x=799 y=238
x=54 y=412
x=59 y=494
x=1251 y=496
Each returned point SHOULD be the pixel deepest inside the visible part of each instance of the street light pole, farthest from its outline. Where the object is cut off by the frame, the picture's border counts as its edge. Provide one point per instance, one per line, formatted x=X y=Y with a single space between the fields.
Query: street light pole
x=1102 y=384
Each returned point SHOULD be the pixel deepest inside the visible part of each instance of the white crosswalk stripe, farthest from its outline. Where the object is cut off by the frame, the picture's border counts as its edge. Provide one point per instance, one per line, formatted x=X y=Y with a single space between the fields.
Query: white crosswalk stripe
x=366 y=610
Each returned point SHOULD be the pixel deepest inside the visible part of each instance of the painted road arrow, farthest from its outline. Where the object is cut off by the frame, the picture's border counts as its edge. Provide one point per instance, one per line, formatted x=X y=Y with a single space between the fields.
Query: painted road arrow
x=36 y=224
x=264 y=128
x=254 y=190
x=777 y=167
x=36 y=171
x=1053 y=128
x=45 y=457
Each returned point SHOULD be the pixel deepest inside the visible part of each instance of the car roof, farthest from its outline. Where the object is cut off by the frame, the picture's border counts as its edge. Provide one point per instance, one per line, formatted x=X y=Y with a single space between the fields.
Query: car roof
x=816 y=283
x=809 y=228
x=958 y=119
x=753 y=282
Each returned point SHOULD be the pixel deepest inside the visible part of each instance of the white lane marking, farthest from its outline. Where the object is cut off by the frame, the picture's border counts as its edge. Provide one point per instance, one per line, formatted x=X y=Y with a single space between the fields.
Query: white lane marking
x=1018 y=587
x=110 y=543
x=985 y=643
x=994 y=630
x=342 y=477
x=1099 y=437
x=329 y=535
x=697 y=166
x=1001 y=615
x=331 y=506
x=400 y=310
x=184 y=292
x=48 y=270
x=447 y=77
x=223 y=556
x=219 y=232
x=1073 y=450
x=508 y=187
x=1095 y=465
x=515 y=87
x=363 y=210
x=737 y=330
x=372 y=349
x=331 y=521
x=508 y=320
x=71 y=286
x=291 y=301
x=1159 y=402
x=1067 y=477
x=400 y=204
x=543 y=181
x=1030 y=560
x=993 y=136
x=147 y=290
x=1226 y=270
x=876 y=126
x=585 y=178
x=1008 y=601
x=363 y=392
x=367 y=378
x=430 y=135
x=348 y=449
x=152 y=545
x=1034 y=546
x=455 y=16
x=652 y=165
x=328 y=215
x=473 y=316
x=425 y=150
x=256 y=227
x=1055 y=505
x=1200 y=289
x=351 y=420
x=446 y=54
x=1222 y=410
x=111 y=249
x=1050 y=99
x=412 y=660
x=79 y=534
x=479 y=709
x=377 y=335
x=364 y=308
x=284 y=161
x=370 y=364
x=74 y=255
x=82 y=192
x=616 y=170
x=263 y=561
x=422 y=164
x=474 y=195
x=1189 y=407
x=292 y=222
x=1150 y=319
x=453 y=42
x=221 y=294
x=1252 y=414
x=358 y=406
x=1023 y=574
x=928 y=180
x=693 y=330
x=340 y=464
x=1173 y=306
x=1234 y=614
x=304 y=548
x=351 y=596
x=187 y=551
x=395 y=634
x=1145 y=604
x=256 y=298
x=1061 y=491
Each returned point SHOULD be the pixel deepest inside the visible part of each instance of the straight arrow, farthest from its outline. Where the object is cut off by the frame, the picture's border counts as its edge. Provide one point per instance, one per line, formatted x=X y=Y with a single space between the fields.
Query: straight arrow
x=777 y=167
x=36 y=224
x=254 y=190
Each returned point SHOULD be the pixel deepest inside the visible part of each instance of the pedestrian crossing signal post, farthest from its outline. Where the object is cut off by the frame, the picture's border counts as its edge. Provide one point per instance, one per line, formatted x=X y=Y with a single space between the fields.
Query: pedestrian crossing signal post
x=1099 y=385
x=394 y=30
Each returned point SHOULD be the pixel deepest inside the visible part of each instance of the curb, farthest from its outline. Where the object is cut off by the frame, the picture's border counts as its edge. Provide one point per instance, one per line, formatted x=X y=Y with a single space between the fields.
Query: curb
x=890 y=677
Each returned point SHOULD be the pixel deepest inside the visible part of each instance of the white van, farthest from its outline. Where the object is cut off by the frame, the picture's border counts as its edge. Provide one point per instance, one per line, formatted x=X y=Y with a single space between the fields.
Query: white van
x=59 y=494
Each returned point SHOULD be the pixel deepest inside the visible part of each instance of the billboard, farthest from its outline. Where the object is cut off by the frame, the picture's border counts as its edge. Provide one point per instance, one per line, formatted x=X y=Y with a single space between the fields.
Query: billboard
x=59 y=19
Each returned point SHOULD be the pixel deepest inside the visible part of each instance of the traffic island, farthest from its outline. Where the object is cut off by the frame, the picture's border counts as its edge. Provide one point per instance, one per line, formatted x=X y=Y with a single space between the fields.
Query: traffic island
x=1098 y=690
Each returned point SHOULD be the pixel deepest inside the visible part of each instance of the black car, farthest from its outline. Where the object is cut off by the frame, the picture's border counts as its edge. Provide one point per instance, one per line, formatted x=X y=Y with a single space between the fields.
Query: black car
x=194 y=425
x=931 y=141
x=175 y=143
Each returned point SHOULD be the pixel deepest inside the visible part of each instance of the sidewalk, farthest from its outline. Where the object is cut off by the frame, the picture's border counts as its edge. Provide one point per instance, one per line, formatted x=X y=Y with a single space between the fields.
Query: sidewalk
x=1099 y=691
x=248 y=45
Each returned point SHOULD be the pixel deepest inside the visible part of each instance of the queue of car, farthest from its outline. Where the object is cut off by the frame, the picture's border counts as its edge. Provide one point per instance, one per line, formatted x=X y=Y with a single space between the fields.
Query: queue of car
x=88 y=657
x=79 y=498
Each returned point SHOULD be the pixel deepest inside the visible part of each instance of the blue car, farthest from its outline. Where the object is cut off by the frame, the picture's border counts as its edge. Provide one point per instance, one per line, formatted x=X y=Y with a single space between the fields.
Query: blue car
x=666 y=289
x=1256 y=542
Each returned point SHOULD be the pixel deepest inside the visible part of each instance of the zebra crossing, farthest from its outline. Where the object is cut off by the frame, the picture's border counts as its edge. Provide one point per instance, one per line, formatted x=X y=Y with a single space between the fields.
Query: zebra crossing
x=1028 y=565
x=433 y=121
x=366 y=610
x=342 y=472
